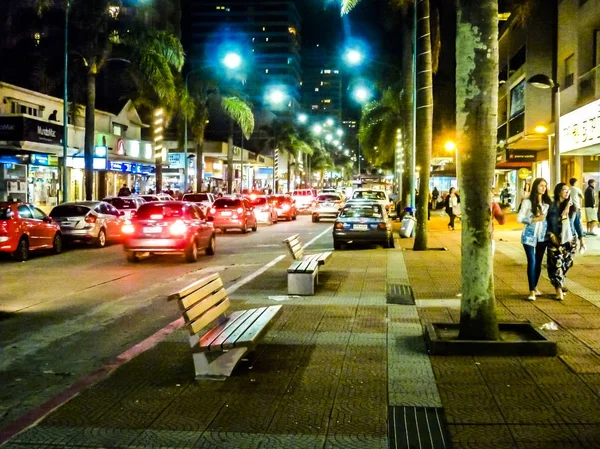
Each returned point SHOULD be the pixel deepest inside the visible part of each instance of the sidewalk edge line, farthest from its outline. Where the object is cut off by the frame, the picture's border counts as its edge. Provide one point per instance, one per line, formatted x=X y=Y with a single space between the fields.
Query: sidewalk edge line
x=306 y=245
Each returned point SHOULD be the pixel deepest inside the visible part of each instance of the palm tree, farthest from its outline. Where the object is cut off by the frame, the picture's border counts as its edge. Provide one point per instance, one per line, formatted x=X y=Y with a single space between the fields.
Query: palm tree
x=476 y=127
x=424 y=101
x=239 y=113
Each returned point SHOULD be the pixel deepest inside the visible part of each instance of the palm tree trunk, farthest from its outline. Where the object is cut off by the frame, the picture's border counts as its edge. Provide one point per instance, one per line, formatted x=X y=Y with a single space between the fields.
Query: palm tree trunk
x=407 y=84
x=476 y=126
x=424 y=119
x=289 y=172
x=90 y=124
x=199 y=167
x=230 y=159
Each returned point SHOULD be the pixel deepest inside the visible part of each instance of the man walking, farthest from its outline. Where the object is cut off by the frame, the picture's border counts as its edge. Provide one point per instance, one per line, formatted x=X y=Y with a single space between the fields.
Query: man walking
x=576 y=197
x=589 y=200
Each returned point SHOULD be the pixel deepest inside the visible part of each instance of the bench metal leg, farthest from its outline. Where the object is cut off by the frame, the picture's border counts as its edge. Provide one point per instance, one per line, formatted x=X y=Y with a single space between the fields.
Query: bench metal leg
x=220 y=367
x=302 y=283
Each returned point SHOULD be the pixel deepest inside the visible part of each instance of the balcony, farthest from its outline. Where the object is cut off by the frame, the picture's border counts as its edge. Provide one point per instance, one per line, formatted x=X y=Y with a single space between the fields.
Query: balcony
x=589 y=86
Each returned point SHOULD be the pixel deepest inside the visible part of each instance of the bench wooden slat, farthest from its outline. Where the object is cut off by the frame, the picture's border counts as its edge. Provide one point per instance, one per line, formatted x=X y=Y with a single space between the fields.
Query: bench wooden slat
x=303 y=266
x=324 y=257
x=196 y=326
x=313 y=266
x=297 y=251
x=233 y=336
x=207 y=339
x=311 y=257
x=198 y=296
x=259 y=327
x=292 y=237
x=192 y=287
x=294 y=266
x=242 y=324
x=203 y=306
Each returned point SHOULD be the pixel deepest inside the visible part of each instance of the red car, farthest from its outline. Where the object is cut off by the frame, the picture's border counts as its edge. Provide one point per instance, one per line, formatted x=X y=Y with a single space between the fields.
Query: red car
x=25 y=228
x=169 y=227
x=285 y=206
x=233 y=213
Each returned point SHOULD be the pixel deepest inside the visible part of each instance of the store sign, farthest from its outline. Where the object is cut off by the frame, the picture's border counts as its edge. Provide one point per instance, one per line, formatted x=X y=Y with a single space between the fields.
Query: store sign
x=79 y=162
x=176 y=160
x=44 y=159
x=580 y=128
x=130 y=167
x=521 y=156
x=120 y=147
x=29 y=129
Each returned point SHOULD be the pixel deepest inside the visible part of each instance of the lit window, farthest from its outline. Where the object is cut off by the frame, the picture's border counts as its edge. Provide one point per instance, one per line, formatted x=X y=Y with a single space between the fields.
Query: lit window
x=266 y=39
x=253 y=39
x=292 y=30
x=326 y=100
x=37 y=37
x=266 y=70
x=117 y=130
x=321 y=83
x=316 y=89
x=264 y=28
x=326 y=71
x=336 y=71
x=314 y=106
x=113 y=11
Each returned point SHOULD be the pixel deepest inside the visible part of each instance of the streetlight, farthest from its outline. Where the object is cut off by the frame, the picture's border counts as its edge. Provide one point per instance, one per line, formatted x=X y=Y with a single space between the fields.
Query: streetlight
x=451 y=146
x=545 y=82
x=302 y=118
x=65 y=184
x=353 y=57
x=232 y=60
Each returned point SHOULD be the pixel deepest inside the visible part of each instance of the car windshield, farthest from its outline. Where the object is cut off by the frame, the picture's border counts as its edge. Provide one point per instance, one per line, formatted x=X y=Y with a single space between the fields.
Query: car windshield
x=226 y=203
x=195 y=197
x=5 y=213
x=150 y=197
x=122 y=203
x=328 y=198
x=159 y=211
x=258 y=201
x=369 y=195
x=366 y=211
x=281 y=199
x=69 y=210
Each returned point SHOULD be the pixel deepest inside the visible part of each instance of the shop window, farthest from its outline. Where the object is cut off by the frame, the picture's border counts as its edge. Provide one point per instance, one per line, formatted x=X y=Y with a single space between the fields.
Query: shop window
x=117 y=129
x=517 y=60
x=17 y=108
x=517 y=99
x=569 y=71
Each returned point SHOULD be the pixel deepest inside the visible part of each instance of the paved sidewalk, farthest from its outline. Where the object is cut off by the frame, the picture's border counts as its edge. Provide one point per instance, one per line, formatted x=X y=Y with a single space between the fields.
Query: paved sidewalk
x=334 y=365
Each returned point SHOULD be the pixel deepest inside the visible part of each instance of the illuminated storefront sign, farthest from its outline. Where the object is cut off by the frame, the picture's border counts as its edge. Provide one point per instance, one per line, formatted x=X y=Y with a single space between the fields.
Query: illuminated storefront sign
x=79 y=162
x=580 y=128
x=130 y=167
x=44 y=159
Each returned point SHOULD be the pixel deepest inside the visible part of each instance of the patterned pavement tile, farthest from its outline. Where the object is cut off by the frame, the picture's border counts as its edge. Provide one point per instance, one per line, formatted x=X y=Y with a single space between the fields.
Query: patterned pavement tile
x=549 y=434
x=356 y=442
x=490 y=436
x=587 y=434
x=157 y=439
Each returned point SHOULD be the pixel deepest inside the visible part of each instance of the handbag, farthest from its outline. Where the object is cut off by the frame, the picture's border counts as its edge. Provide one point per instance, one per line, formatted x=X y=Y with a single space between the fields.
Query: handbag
x=566 y=232
x=456 y=209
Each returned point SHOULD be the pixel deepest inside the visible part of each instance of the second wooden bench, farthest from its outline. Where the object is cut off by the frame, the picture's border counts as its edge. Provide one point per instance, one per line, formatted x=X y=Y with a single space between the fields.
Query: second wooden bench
x=303 y=273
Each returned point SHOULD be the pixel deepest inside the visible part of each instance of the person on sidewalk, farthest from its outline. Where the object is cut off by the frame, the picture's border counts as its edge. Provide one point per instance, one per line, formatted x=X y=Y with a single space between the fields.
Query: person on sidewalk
x=589 y=202
x=562 y=241
x=498 y=215
x=452 y=204
x=533 y=215
x=576 y=197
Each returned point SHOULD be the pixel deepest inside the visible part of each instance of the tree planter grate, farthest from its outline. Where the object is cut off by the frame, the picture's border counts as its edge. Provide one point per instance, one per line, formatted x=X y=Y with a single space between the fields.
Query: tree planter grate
x=417 y=427
x=400 y=294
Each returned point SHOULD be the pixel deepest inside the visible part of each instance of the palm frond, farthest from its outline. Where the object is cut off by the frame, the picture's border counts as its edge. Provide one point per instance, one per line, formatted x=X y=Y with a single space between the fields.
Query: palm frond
x=239 y=111
x=348 y=5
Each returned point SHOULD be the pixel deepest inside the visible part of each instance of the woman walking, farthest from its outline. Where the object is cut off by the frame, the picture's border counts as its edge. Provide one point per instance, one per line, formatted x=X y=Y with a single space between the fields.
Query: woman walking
x=452 y=202
x=562 y=241
x=532 y=214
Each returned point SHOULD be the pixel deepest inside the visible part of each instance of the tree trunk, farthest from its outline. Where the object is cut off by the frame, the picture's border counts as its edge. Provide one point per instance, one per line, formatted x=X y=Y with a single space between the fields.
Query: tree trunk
x=407 y=85
x=289 y=172
x=199 y=167
x=230 y=159
x=424 y=119
x=90 y=125
x=476 y=126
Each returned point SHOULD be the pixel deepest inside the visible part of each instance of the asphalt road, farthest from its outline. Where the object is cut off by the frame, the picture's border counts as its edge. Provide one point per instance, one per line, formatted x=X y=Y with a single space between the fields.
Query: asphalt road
x=64 y=316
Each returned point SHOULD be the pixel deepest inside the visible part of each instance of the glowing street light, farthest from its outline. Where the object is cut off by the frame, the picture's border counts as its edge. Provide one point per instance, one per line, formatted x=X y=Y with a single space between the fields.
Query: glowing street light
x=302 y=118
x=339 y=132
x=328 y=137
x=361 y=94
x=329 y=122
x=276 y=97
x=353 y=57
x=316 y=129
x=541 y=129
x=232 y=60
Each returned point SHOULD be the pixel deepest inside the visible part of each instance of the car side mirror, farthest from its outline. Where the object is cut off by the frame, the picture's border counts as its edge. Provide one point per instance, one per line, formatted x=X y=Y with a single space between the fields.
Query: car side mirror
x=47 y=219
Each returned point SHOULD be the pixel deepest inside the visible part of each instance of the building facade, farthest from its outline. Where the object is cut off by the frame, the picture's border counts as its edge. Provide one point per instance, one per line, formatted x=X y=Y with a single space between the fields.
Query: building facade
x=321 y=83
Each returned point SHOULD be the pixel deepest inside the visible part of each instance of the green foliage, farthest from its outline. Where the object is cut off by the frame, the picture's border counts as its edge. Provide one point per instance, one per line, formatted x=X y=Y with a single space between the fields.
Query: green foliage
x=240 y=112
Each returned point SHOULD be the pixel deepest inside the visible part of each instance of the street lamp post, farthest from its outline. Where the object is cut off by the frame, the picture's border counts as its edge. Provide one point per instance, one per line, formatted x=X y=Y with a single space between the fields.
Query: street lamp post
x=545 y=82
x=65 y=182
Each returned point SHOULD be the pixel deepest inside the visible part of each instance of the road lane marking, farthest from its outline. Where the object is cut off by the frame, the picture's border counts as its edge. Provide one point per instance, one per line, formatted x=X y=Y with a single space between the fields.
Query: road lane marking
x=36 y=415
x=317 y=237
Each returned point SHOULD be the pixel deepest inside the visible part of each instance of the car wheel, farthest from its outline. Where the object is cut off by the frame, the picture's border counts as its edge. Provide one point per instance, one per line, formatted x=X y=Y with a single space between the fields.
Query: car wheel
x=337 y=245
x=22 y=252
x=131 y=256
x=101 y=239
x=245 y=228
x=389 y=242
x=294 y=217
x=57 y=243
x=223 y=230
x=255 y=227
x=191 y=252
x=212 y=245
x=315 y=219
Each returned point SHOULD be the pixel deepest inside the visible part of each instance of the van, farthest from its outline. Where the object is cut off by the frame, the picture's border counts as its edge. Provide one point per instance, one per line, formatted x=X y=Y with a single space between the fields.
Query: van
x=304 y=198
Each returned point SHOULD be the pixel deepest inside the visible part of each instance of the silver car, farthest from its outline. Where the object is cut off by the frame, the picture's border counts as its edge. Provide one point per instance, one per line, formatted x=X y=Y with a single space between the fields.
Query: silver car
x=327 y=205
x=92 y=221
x=126 y=204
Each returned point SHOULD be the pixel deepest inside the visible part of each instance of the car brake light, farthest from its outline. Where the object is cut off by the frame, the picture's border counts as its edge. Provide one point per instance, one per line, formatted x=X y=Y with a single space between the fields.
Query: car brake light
x=381 y=226
x=314 y=203
x=157 y=217
x=286 y=207
x=89 y=218
x=339 y=225
x=128 y=228
x=239 y=210
x=178 y=228
x=213 y=210
x=3 y=238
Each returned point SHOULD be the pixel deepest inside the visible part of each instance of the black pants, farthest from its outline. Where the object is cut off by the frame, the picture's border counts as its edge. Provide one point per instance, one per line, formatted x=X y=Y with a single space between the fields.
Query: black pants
x=450 y=213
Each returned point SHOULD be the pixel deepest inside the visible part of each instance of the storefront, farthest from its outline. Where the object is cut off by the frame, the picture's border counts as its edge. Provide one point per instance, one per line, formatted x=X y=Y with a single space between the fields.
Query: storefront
x=43 y=180
x=138 y=177
x=509 y=180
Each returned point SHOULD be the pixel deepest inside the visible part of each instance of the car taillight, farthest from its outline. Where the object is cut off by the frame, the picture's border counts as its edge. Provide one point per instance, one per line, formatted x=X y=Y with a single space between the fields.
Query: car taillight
x=178 y=228
x=381 y=226
x=128 y=228
x=89 y=218
x=339 y=226
x=239 y=210
x=286 y=207
x=314 y=204
x=213 y=210
x=266 y=209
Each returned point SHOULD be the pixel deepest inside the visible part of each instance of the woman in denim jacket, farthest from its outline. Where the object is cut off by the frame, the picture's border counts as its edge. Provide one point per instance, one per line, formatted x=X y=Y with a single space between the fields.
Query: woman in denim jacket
x=533 y=215
x=562 y=242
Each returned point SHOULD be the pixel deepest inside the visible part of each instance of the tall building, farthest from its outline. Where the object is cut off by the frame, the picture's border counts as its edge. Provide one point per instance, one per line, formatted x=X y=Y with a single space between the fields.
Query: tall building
x=163 y=15
x=265 y=32
x=321 y=83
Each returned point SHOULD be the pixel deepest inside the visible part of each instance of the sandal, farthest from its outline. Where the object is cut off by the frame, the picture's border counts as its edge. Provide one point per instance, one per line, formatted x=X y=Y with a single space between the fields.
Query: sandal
x=531 y=297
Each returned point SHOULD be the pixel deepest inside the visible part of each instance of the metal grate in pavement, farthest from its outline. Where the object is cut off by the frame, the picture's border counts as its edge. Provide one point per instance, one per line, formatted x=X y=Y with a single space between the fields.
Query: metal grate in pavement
x=400 y=294
x=417 y=427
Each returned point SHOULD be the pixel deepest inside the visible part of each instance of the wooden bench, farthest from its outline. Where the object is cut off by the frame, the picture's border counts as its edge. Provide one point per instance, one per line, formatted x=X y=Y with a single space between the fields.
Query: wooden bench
x=218 y=342
x=303 y=273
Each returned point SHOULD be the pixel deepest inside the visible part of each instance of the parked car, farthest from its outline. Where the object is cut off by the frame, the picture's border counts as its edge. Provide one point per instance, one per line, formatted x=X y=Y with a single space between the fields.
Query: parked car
x=365 y=221
x=304 y=198
x=91 y=221
x=25 y=228
x=158 y=197
x=233 y=213
x=264 y=210
x=169 y=227
x=126 y=204
x=285 y=206
x=380 y=196
x=326 y=205
x=204 y=200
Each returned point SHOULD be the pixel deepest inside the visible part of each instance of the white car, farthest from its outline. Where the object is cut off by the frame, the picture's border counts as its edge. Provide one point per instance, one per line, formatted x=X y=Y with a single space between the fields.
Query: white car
x=327 y=205
x=204 y=200
x=126 y=204
x=380 y=196
x=304 y=198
